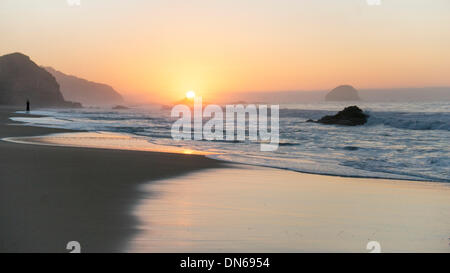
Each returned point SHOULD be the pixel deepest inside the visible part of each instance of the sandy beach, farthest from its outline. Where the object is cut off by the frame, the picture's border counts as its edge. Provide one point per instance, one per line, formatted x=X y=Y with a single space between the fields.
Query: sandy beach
x=52 y=195
x=141 y=201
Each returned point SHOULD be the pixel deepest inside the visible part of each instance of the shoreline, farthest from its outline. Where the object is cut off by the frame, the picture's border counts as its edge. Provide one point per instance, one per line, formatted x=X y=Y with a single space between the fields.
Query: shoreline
x=74 y=141
x=42 y=140
x=51 y=195
x=330 y=174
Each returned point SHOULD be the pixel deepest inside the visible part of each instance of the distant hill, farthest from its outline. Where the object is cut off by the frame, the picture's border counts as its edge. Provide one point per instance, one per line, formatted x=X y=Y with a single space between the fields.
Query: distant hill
x=21 y=79
x=343 y=93
x=84 y=91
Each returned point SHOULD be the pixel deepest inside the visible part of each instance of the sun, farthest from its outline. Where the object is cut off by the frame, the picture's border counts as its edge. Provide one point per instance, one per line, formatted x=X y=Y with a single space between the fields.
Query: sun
x=190 y=94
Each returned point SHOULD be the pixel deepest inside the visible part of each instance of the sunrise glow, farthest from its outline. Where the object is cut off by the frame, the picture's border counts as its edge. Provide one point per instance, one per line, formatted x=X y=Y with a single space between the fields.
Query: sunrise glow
x=158 y=49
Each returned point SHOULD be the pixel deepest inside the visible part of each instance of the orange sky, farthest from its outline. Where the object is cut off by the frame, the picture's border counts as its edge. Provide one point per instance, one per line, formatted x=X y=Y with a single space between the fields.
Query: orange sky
x=158 y=50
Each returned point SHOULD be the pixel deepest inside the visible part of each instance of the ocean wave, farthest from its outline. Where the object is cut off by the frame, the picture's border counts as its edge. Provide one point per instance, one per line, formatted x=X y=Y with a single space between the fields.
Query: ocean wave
x=411 y=121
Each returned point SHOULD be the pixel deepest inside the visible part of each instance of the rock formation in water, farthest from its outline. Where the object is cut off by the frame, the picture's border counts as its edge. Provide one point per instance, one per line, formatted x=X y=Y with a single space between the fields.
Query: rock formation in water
x=120 y=107
x=350 y=116
x=84 y=91
x=21 y=79
x=343 y=93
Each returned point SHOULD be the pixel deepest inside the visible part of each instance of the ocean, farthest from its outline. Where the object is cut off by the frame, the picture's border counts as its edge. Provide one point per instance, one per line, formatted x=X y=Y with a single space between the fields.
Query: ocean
x=400 y=140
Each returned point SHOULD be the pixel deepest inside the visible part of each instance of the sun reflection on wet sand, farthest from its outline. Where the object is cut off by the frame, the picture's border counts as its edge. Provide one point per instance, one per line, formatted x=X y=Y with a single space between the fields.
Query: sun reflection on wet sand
x=254 y=209
x=106 y=140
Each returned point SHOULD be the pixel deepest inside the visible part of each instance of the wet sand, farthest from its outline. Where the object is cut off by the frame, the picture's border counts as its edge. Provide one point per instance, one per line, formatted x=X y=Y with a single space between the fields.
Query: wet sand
x=52 y=195
x=255 y=209
x=120 y=200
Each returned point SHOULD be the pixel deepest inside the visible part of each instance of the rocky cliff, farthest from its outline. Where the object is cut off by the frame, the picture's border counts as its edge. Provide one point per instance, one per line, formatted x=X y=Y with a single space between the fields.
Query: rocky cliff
x=21 y=79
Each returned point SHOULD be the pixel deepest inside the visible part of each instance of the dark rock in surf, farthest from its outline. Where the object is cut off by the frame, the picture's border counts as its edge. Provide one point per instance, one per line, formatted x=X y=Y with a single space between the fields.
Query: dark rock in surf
x=120 y=107
x=350 y=116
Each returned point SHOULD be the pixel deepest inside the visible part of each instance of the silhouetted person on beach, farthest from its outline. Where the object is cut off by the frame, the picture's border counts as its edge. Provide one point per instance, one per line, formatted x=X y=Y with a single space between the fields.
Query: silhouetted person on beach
x=28 y=106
